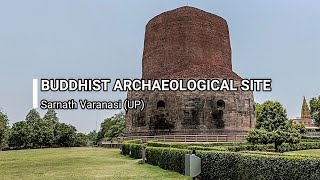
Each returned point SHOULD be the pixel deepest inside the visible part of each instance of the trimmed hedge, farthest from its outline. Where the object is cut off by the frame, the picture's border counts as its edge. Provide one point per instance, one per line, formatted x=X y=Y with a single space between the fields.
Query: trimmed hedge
x=135 y=141
x=167 y=158
x=218 y=162
x=132 y=148
x=246 y=147
x=231 y=165
x=261 y=147
x=300 y=146
x=216 y=148
x=228 y=165
x=258 y=147
x=310 y=139
x=185 y=145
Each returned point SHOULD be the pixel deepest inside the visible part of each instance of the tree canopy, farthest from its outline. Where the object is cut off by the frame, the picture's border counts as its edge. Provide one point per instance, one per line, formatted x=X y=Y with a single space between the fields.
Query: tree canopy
x=315 y=109
x=273 y=126
x=4 y=128
x=37 y=132
x=112 y=127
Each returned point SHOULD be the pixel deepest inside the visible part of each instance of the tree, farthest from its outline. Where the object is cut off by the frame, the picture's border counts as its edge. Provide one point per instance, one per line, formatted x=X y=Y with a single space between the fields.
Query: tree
x=258 y=108
x=20 y=134
x=33 y=117
x=66 y=135
x=112 y=128
x=93 y=135
x=52 y=121
x=273 y=126
x=300 y=127
x=315 y=109
x=4 y=128
x=81 y=139
x=115 y=130
x=42 y=131
x=51 y=116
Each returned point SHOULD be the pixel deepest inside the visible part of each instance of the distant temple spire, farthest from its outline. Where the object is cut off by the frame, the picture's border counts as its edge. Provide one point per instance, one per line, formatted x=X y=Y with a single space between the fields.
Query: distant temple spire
x=305 y=111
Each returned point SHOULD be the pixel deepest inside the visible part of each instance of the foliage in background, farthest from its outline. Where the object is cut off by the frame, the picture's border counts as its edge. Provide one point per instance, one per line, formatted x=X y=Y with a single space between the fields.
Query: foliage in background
x=41 y=131
x=81 y=139
x=315 y=109
x=4 y=128
x=300 y=127
x=273 y=126
x=37 y=132
x=20 y=134
x=66 y=135
x=111 y=128
x=93 y=136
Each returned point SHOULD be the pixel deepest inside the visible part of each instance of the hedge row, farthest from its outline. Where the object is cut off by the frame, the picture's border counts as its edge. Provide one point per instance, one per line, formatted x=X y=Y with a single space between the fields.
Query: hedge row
x=231 y=165
x=259 y=147
x=185 y=145
x=301 y=146
x=268 y=147
x=167 y=158
x=235 y=147
x=132 y=148
x=310 y=139
x=227 y=165
x=216 y=148
x=134 y=141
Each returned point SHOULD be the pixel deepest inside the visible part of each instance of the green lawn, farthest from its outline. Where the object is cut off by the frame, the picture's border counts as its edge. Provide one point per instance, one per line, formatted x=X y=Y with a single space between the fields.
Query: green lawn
x=309 y=152
x=76 y=163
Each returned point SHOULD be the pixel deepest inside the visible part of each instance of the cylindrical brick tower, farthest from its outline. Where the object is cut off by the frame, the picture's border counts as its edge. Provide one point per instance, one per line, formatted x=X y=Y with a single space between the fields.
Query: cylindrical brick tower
x=188 y=43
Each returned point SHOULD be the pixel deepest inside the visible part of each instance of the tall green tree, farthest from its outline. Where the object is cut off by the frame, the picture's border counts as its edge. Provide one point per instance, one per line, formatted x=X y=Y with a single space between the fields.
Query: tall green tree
x=93 y=136
x=20 y=134
x=52 y=121
x=66 y=135
x=273 y=126
x=258 y=109
x=4 y=128
x=51 y=116
x=112 y=127
x=42 y=132
x=315 y=109
x=81 y=139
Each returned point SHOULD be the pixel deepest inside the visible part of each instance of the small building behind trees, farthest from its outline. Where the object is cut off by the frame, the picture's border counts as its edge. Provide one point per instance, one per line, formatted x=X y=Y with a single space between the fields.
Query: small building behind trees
x=305 y=118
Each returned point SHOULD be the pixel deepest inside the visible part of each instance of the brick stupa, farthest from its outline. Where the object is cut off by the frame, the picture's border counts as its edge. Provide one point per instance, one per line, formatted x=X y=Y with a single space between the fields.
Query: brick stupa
x=189 y=43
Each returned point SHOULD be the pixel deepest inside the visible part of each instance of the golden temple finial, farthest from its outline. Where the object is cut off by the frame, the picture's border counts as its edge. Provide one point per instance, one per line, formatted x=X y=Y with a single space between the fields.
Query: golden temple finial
x=305 y=111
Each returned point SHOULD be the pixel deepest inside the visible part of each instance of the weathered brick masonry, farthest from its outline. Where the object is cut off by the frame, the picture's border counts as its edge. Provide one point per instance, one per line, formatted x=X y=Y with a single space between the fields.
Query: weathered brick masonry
x=188 y=43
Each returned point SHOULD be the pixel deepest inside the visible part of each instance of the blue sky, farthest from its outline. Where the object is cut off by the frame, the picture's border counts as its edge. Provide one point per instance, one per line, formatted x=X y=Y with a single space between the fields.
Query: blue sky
x=104 y=39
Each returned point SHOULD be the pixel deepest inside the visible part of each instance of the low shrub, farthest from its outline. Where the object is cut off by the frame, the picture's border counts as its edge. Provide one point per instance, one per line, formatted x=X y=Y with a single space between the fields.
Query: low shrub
x=132 y=148
x=250 y=147
x=215 y=148
x=134 y=141
x=167 y=158
x=165 y=144
x=310 y=139
x=233 y=165
x=229 y=165
x=244 y=147
x=301 y=146
x=181 y=145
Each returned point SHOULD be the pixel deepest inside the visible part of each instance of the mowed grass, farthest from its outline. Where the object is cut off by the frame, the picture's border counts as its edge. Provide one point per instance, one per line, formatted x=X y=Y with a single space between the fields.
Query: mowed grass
x=77 y=163
x=309 y=152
